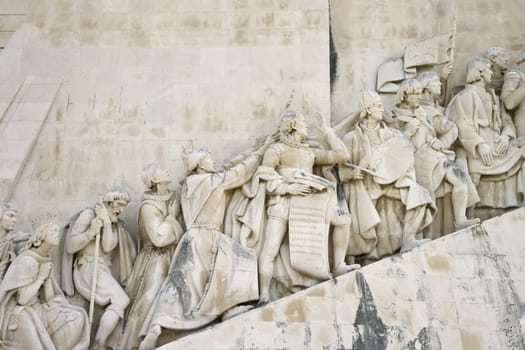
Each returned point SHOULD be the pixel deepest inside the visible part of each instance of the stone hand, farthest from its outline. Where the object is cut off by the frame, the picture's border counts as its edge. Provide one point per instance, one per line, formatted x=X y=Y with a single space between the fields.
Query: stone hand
x=299 y=189
x=414 y=123
x=420 y=113
x=321 y=123
x=437 y=144
x=502 y=144
x=447 y=70
x=45 y=270
x=102 y=213
x=486 y=154
x=96 y=225
x=357 y=174
x=173 y=208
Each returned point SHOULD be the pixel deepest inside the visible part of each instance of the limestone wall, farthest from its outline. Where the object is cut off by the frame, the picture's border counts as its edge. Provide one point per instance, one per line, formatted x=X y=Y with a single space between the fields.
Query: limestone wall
x=140 y=79
x=464 y=291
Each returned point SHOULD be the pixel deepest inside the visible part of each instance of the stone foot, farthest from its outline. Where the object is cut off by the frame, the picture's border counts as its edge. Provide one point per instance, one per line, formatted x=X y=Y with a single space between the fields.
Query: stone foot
x=459 y=225
x=263 y=301
x=149 y=342
x=236 y=310
x=344 y=268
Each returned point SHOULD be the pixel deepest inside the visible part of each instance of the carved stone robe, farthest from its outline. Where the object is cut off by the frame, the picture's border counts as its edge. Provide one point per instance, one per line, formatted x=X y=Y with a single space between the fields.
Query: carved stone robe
x=380 y=212
x=513 y=95
x=158 y=235
x=7 y=253
x=481 y=119
x=210 y=273
x=46 y=321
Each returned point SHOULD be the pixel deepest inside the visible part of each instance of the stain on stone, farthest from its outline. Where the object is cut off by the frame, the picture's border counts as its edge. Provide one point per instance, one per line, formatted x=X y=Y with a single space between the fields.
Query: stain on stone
x=316 y=292
x=59 y=115
x=438 y=262
x=307 y=336
x=295 y=311
x=426 y=340
x=183 y=264
x=158 y=132
x=370 y=330
x=333 y=50
x=449 y=163
x=470 y=340
x=267 y=314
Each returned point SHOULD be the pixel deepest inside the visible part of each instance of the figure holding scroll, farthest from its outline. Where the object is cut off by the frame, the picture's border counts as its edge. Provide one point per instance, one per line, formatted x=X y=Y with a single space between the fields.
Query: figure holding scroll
x=302 y=204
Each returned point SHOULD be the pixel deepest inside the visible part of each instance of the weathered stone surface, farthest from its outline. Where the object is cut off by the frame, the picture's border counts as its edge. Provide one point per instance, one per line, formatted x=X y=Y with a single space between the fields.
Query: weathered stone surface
x=147 y=77
x=463 y=291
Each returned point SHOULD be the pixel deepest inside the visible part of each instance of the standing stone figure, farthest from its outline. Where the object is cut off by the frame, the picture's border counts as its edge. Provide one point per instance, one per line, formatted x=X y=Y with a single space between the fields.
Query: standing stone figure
x=8 y=215
x=485 y=134
x=513 y=93
x=97 y=241
x=159 y=232
x=295 y=192
x=388 y=206
x=210 y=273
x=34 y=314
x=432 y=136
x=498 y=58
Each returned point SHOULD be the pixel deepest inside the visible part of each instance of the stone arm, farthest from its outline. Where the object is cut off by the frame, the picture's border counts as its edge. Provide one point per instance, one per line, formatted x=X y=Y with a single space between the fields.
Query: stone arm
x=271 y=160
x=338 y=152
x=508 y=125
x=350 y=141
x=513 y=91
x=82 y=232
x=6 y=253
x=447 y=132
x=109 y=238
x=27 y=293
x=461 y=110
x=161 y=231
x=242 y=172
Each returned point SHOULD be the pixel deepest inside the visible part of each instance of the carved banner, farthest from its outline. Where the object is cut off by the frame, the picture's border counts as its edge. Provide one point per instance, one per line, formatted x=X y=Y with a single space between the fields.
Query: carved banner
x=308 y=234
x=429 y=52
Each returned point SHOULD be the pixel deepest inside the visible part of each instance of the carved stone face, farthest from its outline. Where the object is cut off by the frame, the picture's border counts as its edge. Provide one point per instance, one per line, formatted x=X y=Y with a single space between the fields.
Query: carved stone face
x=375 y=110
x=52 y=235
x=434 y=86
x=207 y=164
x=8 y=220
x=300 y=126
x=115 y=208
x=163 y=178
x=412 y=99
x=501 y=61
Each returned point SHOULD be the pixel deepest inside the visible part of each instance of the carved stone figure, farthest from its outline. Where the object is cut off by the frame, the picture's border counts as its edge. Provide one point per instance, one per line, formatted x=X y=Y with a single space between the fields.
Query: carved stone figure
x=210 y=273
x=302 y=203
x=485 y=134
x=498 y=59
x=94 y=238
x=8 y=216
x=159 y=231
x=388 y=206
x=34 y=314
x=432 y=136
x=513 y=93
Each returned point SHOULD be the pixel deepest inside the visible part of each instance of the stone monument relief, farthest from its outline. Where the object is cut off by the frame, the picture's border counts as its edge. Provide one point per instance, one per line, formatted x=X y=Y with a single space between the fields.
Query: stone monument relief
x=234 y=174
